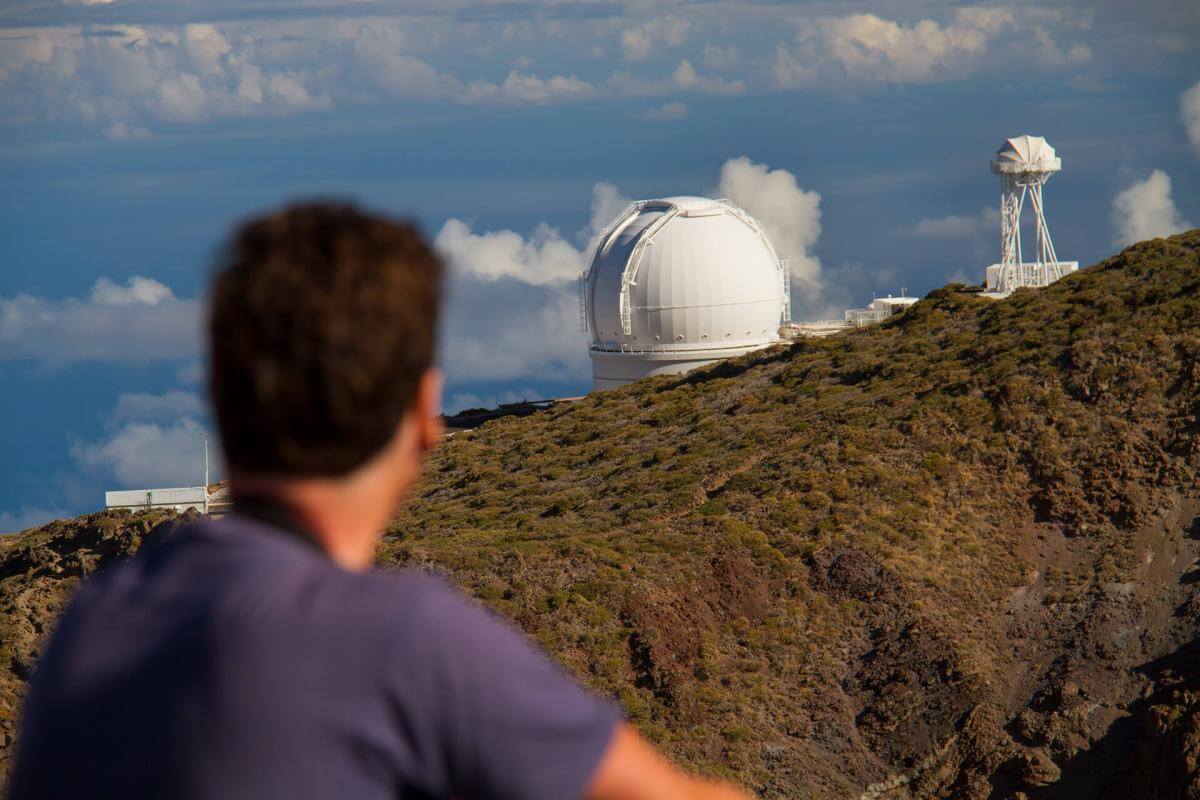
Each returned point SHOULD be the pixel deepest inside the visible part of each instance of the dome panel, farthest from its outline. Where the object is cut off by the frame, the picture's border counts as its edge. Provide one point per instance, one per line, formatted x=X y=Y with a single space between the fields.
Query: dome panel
x=1026 y=154
x=688 y=276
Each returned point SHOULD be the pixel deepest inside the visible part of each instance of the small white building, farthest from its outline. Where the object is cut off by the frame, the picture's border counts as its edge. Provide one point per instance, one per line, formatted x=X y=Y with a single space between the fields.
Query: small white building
x=878 y=310
x=178 y=499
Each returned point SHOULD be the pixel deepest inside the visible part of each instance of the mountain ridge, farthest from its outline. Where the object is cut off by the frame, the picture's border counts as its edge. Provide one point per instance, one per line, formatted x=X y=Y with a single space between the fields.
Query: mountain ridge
x=944 y=556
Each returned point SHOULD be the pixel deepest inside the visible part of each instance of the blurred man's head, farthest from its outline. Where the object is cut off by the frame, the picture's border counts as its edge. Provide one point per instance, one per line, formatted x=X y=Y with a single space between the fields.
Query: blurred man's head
x=321 y=338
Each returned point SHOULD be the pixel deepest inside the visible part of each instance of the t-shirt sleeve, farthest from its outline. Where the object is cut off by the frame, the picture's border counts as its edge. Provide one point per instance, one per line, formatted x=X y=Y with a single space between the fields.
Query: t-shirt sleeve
x=507 y=722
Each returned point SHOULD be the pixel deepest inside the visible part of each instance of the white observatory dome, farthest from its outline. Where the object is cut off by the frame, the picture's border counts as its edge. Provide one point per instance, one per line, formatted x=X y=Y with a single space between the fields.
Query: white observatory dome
x=678 y=283
x=1023 y=154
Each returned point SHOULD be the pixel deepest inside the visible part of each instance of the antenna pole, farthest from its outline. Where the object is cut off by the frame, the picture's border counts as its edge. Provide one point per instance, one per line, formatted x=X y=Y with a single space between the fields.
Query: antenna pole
x=206 y=472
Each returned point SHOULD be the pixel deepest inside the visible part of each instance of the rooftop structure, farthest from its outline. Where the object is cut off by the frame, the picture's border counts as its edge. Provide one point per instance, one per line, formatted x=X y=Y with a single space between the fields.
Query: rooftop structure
x=877 y=310
x=1024 y=164
x=205 y=498
x=677 y=283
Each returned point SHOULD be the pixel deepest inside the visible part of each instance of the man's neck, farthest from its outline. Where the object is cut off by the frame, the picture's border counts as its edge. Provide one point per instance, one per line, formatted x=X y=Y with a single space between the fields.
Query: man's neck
x=344 y=515
x=344 y=523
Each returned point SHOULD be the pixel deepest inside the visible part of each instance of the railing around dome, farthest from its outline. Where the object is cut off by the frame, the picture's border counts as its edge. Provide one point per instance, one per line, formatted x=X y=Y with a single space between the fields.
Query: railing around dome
x=686 y=348
x=785 y=278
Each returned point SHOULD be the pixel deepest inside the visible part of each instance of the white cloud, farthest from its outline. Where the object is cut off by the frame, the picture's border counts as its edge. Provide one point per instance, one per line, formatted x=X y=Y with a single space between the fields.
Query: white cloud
x=523 y=89
x=720 y=58
x=146 y=407
x=120 y=131
x=790 y=215
x=180 y=74
x=514 y=312
x=1079 y=53
x=139 y=321
x=607 y=203
x=792 y=71
x=153 y=440
x=638 y=42
x=545 y=258
x=147 y=454
x=1146 y=210
x=1050 y=53
x=206 y=48
x=379 y=51
x=123 y=76
x=1189 y=110
x=504 y=330
x=685 y=77
x=956 y=226
x=136 y=291
x=666 y=112
x=868 y=47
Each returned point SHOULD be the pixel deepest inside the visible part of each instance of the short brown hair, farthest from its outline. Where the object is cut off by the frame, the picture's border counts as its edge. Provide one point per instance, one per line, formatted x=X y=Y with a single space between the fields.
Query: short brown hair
x=323 y=319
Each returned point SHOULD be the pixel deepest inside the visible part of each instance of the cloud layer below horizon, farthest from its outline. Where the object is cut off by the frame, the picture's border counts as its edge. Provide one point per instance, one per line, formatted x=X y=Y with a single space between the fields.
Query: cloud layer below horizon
x=125 y=70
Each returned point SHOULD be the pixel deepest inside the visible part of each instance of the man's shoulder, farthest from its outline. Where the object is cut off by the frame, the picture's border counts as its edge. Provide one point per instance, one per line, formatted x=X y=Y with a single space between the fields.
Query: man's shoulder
x=403 y=597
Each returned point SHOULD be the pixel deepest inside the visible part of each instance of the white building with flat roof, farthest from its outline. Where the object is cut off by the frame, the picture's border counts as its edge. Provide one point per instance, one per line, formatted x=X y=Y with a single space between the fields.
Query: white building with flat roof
x=178 y=499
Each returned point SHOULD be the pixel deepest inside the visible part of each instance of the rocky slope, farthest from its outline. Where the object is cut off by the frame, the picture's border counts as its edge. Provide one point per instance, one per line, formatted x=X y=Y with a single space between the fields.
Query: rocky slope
x=953 y=555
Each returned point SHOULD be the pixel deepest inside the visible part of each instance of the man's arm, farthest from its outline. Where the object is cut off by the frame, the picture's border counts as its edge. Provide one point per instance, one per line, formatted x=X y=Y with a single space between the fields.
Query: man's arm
x=632 y=769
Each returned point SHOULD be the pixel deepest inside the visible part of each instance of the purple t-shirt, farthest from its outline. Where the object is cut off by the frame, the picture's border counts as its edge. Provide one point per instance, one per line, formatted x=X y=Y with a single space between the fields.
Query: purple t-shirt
x=234 y=660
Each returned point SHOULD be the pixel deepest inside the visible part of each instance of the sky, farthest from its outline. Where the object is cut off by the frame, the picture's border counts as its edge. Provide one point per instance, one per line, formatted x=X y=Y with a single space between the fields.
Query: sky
x=134 y=133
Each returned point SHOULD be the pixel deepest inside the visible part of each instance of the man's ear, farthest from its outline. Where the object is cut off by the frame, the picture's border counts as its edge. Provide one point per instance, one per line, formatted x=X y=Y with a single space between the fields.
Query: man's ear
x=428 y=408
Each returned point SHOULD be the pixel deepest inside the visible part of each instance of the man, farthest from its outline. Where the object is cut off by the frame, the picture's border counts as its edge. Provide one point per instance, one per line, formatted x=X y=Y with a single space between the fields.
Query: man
x=259 y=656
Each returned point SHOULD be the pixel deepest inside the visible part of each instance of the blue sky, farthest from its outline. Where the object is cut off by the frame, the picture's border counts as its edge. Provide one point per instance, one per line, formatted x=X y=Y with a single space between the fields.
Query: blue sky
x=133 y=133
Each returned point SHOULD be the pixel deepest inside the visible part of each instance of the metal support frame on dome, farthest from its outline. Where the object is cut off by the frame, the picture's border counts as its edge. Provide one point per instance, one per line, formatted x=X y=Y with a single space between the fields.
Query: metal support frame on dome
x=601 y=239
x=785 y=276
x=629 y=274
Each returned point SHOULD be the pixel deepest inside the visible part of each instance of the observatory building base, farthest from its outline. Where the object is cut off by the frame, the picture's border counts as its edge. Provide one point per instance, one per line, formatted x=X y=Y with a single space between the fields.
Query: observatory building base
x=611 y=369
x=998 y=285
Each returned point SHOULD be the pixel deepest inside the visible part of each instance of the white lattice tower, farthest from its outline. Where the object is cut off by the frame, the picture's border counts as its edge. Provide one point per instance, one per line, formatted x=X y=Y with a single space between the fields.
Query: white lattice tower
x=1024 y=164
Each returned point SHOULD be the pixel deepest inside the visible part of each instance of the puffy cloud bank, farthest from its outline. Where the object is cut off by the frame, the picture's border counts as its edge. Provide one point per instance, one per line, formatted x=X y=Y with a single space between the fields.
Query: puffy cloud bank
x=1146 y=210
x=956 y=226
x=874 y=49
x=138 y=321
x=148 y=454
x=514 y=309
x=544 y=258
x=129 y=74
